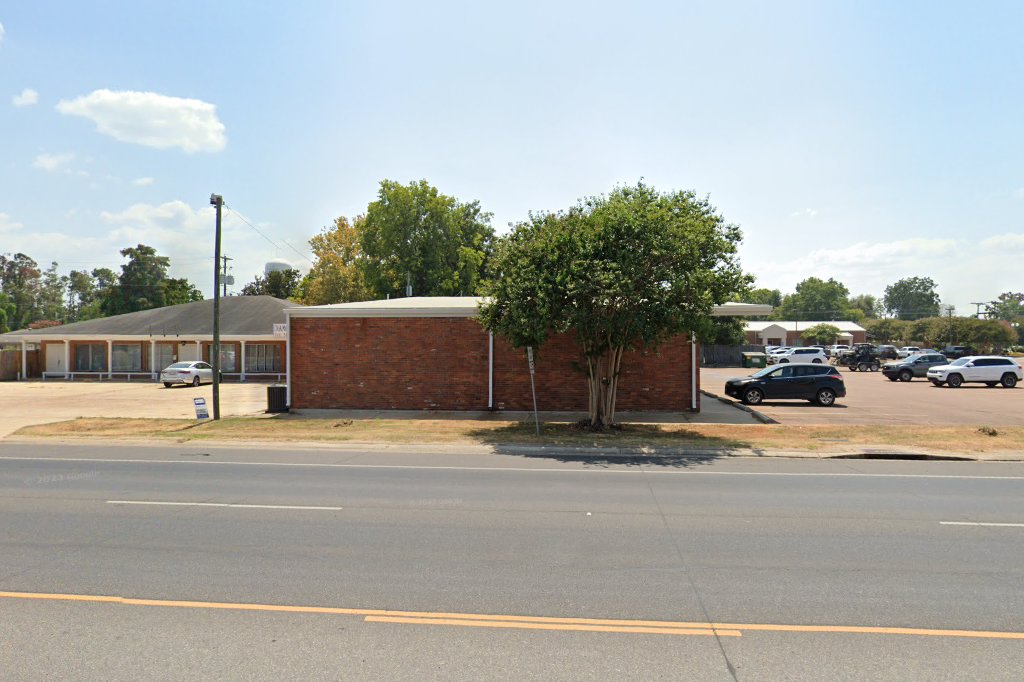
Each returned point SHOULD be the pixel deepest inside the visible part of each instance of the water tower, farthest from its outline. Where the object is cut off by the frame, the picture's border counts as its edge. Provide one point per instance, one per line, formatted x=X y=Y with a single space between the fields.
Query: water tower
x=276 y=265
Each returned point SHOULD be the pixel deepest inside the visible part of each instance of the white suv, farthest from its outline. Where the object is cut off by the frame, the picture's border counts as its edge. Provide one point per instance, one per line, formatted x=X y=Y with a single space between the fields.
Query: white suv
x=990 y=370
x=802 y=355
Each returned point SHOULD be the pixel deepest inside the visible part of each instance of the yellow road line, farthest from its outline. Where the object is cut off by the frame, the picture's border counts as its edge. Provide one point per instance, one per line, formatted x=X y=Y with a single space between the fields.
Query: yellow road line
x=524 y=625
x=420 y=616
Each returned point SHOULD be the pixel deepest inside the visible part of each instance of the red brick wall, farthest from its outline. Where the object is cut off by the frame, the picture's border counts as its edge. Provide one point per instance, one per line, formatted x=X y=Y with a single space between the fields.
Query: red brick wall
x=441 y=363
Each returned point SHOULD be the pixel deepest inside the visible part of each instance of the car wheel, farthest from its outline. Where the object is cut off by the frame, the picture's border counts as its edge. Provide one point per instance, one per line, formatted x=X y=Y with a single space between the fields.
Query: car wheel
x=875 y=366
x=906 y=375
x=783 y=362
x=753 y=396
x=195 y=381
x=826 y=397
x=816 y=361
x=1008 y=380
x=954 y=380
x=167 y=384
x=863 y=367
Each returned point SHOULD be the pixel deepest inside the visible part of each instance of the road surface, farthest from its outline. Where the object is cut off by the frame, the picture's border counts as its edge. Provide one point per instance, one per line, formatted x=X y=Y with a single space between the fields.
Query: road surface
x=190 y=563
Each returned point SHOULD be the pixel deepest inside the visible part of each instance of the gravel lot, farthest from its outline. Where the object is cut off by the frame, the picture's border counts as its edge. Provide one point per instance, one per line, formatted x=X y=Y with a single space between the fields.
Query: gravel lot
x=873 y=399
x=39 y=402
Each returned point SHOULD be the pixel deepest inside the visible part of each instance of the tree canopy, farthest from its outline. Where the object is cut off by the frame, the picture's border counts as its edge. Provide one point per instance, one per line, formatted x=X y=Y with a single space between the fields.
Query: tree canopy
x=414 y=235
x=335 y=276
x=912 y=298
x=140 y=285
x=277 y=283
x=818 y=299
x=620 y=272
x=821 y=333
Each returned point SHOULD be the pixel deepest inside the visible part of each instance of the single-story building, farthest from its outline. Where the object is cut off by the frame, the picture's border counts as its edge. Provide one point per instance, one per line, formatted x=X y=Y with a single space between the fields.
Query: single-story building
x=430 y=353
x=788 y=333
x=138 y=345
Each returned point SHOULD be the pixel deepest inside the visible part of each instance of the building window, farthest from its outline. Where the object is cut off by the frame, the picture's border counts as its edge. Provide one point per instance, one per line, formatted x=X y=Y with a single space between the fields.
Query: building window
x=126 y=357
x=263 y=357
x=91 y=357
x=164 y=355
x=228 y=357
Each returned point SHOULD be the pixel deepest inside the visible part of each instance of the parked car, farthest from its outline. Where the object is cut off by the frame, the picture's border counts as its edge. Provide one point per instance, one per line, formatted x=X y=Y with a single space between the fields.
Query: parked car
x=913 y=366
x=907 y=351
x=887 y=352
x=954 y=352
x=807 y=354
x=836 y=350
x=820 y=384
x=990 y=370
x=774 y=355
x=192 y=372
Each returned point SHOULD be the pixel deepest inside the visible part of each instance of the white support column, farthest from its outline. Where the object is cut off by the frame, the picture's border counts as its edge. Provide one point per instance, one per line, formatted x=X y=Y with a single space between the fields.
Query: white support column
x=490 y=372
x=693 y=373
x=110 y=359
x=241 y=360
x=67 y=359
x=152 y=360
x=24 y=360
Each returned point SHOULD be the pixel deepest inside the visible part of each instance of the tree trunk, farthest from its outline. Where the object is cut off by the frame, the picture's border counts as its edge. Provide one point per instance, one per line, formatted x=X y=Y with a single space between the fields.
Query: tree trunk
x=603 y=382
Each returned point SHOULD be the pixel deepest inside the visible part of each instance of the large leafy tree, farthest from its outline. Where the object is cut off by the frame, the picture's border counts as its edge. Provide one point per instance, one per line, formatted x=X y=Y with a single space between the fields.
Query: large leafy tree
x=620 y=272
x=821 y=333
x=50 y=300
x=7 y=311
x=335 y=276
x=87 y=291
x=141 y=283
x=20 y=280
x=817 y=299
x=414 y=235
x=177 y=291
x=277 y=283
x=888 y=330
x=912 y=298
x=866 y=303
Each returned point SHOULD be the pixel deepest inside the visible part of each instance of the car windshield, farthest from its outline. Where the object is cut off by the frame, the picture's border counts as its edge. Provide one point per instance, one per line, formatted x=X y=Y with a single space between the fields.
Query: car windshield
x=961 y=362
x=764 y=372
x=180 y=365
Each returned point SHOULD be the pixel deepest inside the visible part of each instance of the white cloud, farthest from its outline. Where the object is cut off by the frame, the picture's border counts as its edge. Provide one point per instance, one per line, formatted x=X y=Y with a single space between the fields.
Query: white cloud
x=1011 y=241
x=143 y=182
x=8 y=225
x=52 y=162
x=27 y=98
x=2 y=33
x=804 y=213
x=151 y=119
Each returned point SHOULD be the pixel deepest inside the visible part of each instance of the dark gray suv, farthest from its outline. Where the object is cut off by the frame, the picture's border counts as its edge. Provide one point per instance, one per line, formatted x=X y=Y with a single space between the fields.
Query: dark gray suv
x=912 y=366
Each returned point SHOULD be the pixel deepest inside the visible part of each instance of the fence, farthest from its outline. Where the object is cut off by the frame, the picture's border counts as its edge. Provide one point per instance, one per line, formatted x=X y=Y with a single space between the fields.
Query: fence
x=10 y=364
x=726 y=356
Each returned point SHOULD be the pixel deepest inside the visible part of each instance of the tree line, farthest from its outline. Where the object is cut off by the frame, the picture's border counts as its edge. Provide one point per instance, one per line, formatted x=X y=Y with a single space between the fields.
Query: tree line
x=31 y=297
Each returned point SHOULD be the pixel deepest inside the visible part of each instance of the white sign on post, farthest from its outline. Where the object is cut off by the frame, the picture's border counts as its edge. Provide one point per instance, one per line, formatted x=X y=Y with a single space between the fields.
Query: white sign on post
x=201 y=411
x=533 y=389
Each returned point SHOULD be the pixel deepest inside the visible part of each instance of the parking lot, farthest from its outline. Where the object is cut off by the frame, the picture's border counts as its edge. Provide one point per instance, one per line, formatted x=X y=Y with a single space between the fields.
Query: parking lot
x=873 y=399
x=41 y=402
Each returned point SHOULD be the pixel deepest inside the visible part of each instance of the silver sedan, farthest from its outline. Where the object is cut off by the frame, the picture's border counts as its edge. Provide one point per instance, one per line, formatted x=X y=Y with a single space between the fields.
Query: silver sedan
x=193 y=372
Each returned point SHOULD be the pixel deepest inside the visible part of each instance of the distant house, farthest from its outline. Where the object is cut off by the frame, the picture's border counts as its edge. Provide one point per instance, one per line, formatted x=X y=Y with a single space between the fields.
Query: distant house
x=783 y=333
x=138 y=345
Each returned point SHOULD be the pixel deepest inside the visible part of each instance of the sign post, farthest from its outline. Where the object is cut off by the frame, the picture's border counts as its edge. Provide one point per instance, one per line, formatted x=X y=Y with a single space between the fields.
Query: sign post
x=533 y=389
x=201 y=411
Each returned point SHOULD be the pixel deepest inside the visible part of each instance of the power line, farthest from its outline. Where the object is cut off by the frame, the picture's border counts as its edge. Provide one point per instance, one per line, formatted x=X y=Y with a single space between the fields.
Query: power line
x=271 y=241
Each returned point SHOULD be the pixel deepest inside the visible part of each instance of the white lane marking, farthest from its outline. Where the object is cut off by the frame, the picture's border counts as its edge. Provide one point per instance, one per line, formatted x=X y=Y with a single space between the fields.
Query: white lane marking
x=979 y=523
x=224 y=504
x=515 y=469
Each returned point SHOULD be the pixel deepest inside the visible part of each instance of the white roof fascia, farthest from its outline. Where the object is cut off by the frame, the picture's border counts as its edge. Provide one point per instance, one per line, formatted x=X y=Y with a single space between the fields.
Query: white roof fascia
x=732 y=309
x=37 y=338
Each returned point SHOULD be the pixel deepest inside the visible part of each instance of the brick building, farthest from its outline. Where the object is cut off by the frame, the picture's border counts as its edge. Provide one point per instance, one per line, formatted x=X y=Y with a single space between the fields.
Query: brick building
x=430 y=353
x=788 y=333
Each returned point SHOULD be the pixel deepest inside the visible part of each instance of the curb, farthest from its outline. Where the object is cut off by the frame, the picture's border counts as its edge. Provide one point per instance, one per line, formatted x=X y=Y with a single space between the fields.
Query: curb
x=761 y=417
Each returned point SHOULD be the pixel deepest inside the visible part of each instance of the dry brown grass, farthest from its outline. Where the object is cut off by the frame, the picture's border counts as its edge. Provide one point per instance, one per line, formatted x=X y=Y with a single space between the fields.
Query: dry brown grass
x=967 y=439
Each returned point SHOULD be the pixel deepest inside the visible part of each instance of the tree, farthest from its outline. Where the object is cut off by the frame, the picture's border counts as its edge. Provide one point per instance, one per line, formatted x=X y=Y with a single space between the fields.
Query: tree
x=888 y=330
x=178 y=291
x=87 y=291
x=816 y=299
x=415 y=235
x=50 y=299
x=140 y=285
x=277 y=283
x=822 y=334
x=621 y=272
x=335 y=276
x=7 y=311
x=912 y=298
x=20 y=281
x=726 y=331
x=867 y=304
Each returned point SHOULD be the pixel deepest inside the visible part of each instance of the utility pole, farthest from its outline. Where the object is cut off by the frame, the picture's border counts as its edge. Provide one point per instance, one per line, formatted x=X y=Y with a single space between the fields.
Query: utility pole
x=224 y=275
x=217 y=201
x=977 y=312
x=949 y=314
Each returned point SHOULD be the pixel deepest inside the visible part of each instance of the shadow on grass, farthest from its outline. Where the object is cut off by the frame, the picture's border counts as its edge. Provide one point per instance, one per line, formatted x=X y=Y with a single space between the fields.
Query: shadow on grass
x=637 y=444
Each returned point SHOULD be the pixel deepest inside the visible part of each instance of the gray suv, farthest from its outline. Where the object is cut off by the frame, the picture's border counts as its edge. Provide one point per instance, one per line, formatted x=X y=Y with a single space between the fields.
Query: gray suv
x=912 y=366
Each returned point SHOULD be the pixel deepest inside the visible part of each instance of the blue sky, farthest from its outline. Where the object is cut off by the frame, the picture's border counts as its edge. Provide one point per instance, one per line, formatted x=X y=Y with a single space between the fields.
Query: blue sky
x=862 y=141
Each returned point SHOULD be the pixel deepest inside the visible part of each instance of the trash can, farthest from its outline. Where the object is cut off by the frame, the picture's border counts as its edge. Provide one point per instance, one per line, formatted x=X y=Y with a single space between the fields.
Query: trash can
x=754 y=360
x=277 y=398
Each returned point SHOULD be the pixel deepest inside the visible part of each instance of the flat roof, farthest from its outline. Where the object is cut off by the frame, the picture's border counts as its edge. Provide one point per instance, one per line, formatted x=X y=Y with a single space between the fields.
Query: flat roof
x=458 y=306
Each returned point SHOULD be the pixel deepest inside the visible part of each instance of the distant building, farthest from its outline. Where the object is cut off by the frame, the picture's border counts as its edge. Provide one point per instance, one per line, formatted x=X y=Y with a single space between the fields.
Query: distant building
x=788 y=333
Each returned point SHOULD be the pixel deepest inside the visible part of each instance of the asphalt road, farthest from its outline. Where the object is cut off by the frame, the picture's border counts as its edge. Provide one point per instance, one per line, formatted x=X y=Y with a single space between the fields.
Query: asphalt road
x=803 y=567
